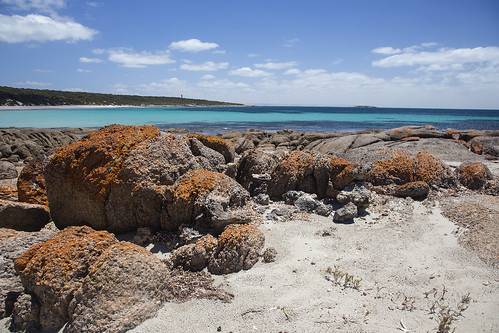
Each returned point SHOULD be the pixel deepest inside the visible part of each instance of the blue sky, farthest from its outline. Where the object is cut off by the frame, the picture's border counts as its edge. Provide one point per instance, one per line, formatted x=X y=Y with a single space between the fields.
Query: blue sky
x=399 y=53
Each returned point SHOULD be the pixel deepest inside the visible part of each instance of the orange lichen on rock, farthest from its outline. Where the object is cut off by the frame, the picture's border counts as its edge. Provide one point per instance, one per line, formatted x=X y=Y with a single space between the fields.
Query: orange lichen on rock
x=411 y=138
x=473 y=175
x=239 y=236
x=95 y=161
x=399 y=168
x=295 y=164
x=428 y=167
x=31 y=184
x=206 y=243
x=8 y=193
x=475 y=146
x=342 y=172
x=196 y=183
x=54 y=270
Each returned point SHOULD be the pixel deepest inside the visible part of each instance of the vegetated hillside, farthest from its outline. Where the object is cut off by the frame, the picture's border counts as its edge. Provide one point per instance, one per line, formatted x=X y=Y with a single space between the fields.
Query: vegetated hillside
x=36 y=97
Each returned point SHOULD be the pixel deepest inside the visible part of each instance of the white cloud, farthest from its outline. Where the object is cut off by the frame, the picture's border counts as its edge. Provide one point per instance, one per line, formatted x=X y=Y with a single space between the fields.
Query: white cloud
x=207 y=77
x=386 y=50
x=442 y=57
x=40 y=5
x=291 y=42
x=207 y=66
x=90 y=60
x=192 y=45
x=39 y=28
x=277 y=65
x=248 y=72
x=220 y=52
x=292 y=71
x=131 y=59
x=253 y=55
x=220 y=85
x=81 y=70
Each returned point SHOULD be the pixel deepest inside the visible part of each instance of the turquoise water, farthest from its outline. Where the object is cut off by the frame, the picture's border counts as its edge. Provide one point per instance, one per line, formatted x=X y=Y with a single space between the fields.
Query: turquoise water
x=223 y=119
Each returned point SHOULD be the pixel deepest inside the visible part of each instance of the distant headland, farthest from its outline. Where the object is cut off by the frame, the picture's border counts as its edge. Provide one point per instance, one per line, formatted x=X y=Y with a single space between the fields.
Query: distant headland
x=37 y=97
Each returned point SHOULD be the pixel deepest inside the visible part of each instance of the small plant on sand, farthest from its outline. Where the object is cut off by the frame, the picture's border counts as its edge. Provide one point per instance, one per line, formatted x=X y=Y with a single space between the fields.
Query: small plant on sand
x=342 y=278
x=446 y=314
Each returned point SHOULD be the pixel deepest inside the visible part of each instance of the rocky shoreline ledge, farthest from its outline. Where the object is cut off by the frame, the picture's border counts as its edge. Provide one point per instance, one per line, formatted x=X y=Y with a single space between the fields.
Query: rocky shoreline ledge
x=100 y=232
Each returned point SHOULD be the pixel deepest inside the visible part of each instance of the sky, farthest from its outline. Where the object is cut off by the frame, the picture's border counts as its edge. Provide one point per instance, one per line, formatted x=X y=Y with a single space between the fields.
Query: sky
x=387 y=53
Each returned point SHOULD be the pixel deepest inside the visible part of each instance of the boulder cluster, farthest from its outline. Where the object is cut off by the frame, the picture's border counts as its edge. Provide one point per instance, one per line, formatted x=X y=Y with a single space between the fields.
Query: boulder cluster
x=136 y=178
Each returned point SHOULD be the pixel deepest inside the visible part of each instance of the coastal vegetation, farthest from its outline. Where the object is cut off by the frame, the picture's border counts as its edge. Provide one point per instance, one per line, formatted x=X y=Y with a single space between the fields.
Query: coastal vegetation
x=36 y=97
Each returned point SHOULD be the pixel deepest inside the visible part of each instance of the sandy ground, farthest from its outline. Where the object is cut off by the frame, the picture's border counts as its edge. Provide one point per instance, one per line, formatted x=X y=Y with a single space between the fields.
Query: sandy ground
x=405 y=253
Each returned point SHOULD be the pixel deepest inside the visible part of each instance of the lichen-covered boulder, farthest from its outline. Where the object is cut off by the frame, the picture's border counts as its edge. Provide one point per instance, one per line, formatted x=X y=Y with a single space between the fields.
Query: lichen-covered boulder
x=125 y=286
x=195 y=257
x=238 y=248
x=23 y=216
x=115 y=178
x=254 y=169
x=8 y=193
x=31 y=183
x=413 y=189
x=218 y=144
x=53 y=271
x=402 y=168
x=323 y=175
x=473 y=175
x=207 y=199
x=485 y=145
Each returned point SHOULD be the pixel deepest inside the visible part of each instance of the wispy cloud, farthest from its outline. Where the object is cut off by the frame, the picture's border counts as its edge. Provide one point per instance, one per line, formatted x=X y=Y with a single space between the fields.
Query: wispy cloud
x=277 y=65
x=192 y=45
x=47 y=6
x=207 y=66
x=249 y=72
x=290 y=42
x=31 y=83
x=40 y=70
x=90 y=60
x=39 y=28
x=131 y=59
x=386 y=50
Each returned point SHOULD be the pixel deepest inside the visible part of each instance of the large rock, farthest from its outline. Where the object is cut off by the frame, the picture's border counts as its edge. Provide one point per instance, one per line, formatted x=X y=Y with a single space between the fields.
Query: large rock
x=254 y=169
x=473 y=175
x=238 y=248
x=312 y=173
x=115 y=178
x=125 y=286
x=485 y=145
x=195 y=257
x=31 y=183
x=22 y=216
x=218 y=144
x=414 y=190
x=53 y=271
x=346 y=213
x=207 y=199
x=7 y=170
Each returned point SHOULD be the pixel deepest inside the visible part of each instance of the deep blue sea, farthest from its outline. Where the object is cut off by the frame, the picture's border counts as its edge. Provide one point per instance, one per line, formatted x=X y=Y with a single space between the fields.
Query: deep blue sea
x=214 y=120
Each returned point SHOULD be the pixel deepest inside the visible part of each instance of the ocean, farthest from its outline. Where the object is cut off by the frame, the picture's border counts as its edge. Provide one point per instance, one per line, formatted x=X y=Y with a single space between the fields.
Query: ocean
x=213 y=120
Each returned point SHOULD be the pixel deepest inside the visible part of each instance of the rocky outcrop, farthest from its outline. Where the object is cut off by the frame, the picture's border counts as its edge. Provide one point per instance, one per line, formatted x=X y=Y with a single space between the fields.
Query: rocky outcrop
x=473 y=175
x=26 y=144
x=238 y=248
x=7 y=170
x=218 y=144
x=126 y=285
x=31 y=183
x=254 y=170
x=195 y=257
x=307 y=203
x=311 y=173
x=207 y=199
x=488 y=145
x=22 y=216
x=115 y=178
x=53 y=271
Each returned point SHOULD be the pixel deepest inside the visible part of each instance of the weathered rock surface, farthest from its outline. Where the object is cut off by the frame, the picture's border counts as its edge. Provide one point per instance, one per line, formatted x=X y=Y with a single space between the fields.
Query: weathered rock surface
x=25 y=314
x=307 y=203
x=311 y=173
x=125 y=286
x=207 y=199
x=25 y=144
x=7 y=170
x=417 y=189
x=195 y=257
x=12 y=244
x=8 y=193
x=219 y=145
x=357 y=194
x=473 y=175
x=31 y=183
x=345 y=213
x=23 y=216
x=115 y=178
x=238 y=248
x=53 y=271
x=485 y=145
x=254 y=169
